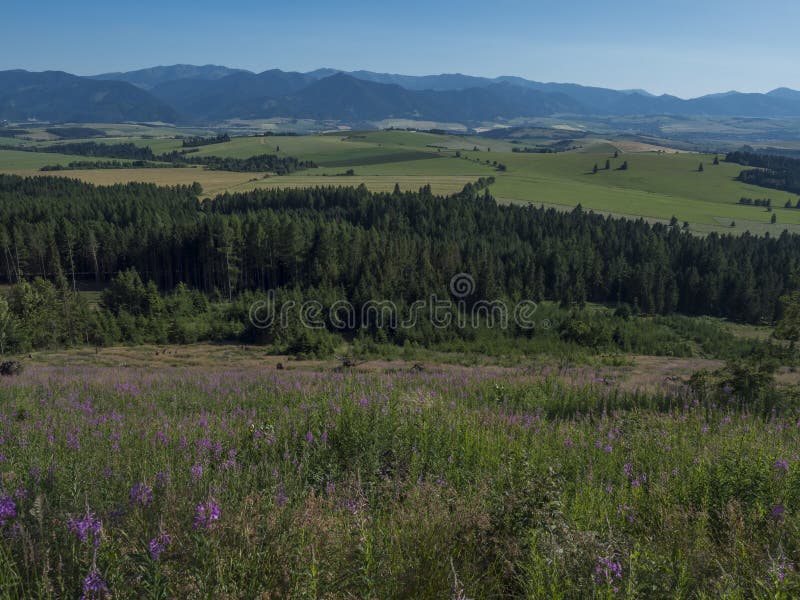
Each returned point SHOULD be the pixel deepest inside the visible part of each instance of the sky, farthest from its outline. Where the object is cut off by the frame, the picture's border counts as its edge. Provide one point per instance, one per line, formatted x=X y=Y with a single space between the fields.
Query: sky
x=681 y=47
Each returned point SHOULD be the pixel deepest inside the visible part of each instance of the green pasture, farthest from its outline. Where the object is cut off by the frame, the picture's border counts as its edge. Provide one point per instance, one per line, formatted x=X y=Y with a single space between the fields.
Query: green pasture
x=656 y=186
x=14 y=160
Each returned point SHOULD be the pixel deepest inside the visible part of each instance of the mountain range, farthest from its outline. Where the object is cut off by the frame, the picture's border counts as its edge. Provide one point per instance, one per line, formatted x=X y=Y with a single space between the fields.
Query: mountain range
x=187 y=94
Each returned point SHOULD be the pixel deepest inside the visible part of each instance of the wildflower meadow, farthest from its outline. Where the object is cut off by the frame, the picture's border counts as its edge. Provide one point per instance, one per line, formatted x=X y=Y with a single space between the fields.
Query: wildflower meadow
x=443 y=483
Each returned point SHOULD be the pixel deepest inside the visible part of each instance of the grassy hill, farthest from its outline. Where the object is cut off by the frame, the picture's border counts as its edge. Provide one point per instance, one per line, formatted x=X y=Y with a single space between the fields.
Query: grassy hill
x=656 y=186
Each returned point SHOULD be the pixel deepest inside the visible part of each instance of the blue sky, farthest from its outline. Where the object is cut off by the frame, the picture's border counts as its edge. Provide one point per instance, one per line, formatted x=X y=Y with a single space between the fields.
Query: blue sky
x=682 y=47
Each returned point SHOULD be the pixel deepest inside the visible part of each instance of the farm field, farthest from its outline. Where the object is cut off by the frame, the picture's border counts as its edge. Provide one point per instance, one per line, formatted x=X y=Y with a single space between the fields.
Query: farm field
x=213 y=182
x=656 y=186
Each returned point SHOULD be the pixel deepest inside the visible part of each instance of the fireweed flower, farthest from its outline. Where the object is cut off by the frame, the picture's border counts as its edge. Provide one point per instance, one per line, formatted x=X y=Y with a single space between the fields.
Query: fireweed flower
x=141 y=494
x=206 y=515
x=8 y=509
x=94 y=587
x=87 y=528
x=777 y=512
x=778 y=571
x=608 y=571
x=158 y=544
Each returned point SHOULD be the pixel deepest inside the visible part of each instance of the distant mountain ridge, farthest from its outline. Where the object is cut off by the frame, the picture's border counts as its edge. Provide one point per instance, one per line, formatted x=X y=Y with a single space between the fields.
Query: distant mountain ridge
x=212 y=93
x=153 y=76
x=61 y=97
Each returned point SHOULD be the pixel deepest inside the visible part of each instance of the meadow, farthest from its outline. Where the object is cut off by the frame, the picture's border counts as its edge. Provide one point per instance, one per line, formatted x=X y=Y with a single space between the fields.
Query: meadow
x=440 y=482
x=659 y=184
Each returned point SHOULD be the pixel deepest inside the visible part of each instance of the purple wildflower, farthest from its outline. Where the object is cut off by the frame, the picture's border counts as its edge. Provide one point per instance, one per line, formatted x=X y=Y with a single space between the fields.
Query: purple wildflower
x=206 y=515
x=781 y=464
x=141 y=494
x=87 y=528
x=778 y=571
x=8 y=509
x=608 y=571
x=777 y=512
x=197 y=472
x=158 y=544
x=309 y=437
x=94 y=588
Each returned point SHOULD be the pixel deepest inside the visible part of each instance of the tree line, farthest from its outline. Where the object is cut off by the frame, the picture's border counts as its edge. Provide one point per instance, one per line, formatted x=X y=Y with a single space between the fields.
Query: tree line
x=144 y=157
x=771 y=170
x=194 y=142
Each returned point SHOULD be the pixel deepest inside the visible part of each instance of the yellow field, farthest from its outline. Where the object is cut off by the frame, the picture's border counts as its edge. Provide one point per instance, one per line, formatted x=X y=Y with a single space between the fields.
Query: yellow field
x=213 y=182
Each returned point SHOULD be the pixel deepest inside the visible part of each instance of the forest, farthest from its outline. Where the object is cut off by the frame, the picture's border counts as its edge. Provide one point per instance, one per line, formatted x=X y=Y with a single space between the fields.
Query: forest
x=399 y=246
x=771 y=170
x=194 y=142
x=340 y=243
x=125 y=150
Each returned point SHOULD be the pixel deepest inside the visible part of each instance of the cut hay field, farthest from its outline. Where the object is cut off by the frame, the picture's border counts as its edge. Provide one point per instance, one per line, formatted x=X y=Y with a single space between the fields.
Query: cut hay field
x=657 y=185
x=213 y=182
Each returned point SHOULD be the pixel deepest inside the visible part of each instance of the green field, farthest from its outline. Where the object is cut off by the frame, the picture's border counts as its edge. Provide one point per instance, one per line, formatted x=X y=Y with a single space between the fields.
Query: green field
x=657 y=185
x=15 y=160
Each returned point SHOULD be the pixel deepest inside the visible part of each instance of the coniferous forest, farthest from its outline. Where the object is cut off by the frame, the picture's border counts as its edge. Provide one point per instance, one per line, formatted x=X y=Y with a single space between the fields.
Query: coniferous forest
x=400 y=246
x=149 y=245
x=772 y=170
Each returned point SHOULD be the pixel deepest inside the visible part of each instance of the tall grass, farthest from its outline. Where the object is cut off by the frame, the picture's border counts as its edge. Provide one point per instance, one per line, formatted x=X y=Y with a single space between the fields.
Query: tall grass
x=440 y=484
